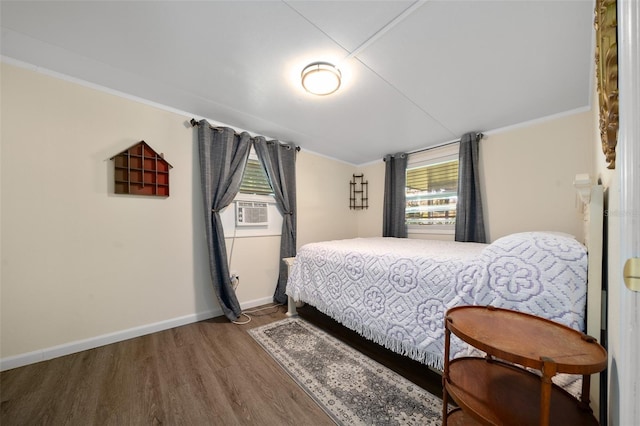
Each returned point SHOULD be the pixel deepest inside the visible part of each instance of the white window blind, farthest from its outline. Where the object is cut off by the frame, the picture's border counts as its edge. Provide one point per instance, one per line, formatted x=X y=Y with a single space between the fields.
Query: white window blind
x=432 y=190
x=254 y=180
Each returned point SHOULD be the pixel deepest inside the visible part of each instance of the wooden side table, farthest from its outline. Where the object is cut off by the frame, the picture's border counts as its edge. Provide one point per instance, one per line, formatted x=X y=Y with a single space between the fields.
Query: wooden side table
x=498 y=390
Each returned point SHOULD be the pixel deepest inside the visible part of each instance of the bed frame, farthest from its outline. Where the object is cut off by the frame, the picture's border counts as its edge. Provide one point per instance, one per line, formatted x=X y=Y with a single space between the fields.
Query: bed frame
x=592 y=199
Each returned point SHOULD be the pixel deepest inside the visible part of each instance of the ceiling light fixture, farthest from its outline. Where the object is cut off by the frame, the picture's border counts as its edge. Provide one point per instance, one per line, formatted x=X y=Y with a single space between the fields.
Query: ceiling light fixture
x=321 y=78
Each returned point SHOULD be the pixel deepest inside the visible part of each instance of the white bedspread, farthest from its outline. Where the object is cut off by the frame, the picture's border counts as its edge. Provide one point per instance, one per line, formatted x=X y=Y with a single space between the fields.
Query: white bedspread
x=397 y=291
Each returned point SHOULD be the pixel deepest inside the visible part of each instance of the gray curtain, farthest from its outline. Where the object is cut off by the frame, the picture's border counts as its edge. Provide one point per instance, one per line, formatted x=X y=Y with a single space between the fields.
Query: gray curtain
x=469 y=217
x=223 y=157
x=395 y=178
x=279 y=161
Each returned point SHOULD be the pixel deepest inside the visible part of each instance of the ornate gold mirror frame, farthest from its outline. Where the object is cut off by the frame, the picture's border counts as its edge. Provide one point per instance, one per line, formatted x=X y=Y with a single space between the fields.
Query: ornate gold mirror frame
x=607 y=76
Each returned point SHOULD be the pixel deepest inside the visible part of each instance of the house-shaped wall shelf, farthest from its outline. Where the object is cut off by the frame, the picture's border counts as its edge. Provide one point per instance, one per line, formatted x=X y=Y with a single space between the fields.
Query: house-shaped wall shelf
x=139 y=170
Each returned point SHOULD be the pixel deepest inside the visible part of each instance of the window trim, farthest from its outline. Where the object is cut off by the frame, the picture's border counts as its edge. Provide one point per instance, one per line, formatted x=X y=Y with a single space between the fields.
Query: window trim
x=270 y=199
x=426 y=158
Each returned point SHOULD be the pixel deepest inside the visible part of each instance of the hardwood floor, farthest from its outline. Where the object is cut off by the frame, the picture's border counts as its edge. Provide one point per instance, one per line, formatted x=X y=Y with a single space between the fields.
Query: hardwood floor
x=208 y=373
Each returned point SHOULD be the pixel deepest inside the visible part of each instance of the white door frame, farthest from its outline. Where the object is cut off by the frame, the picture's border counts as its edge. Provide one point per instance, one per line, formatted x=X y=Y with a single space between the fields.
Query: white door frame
x=628 y=161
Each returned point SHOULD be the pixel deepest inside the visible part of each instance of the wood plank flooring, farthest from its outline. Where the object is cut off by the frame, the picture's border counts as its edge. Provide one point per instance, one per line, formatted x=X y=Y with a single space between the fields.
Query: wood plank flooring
x=207 y=373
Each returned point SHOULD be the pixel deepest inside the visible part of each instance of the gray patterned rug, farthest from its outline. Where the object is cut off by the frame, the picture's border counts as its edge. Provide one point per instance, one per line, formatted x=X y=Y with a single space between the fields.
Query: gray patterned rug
x=350 y=387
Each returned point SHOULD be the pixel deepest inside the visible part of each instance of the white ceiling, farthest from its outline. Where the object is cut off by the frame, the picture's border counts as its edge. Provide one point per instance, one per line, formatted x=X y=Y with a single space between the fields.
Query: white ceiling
x=416 y=74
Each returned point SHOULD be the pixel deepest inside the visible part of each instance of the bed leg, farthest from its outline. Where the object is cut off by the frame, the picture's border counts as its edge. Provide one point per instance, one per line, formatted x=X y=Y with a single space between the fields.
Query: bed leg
x=291 y=305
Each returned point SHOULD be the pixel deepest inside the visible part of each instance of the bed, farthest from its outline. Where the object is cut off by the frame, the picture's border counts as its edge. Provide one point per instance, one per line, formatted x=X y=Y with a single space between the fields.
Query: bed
x=396 y=292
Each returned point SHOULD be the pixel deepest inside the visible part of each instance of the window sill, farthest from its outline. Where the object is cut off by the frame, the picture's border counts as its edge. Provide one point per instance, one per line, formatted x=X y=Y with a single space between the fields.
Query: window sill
x=434 y=230
x=255 y=197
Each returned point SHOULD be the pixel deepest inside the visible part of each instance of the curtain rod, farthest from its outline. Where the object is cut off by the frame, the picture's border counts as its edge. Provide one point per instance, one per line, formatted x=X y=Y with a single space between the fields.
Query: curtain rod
x=195 y=123
x=480 y=135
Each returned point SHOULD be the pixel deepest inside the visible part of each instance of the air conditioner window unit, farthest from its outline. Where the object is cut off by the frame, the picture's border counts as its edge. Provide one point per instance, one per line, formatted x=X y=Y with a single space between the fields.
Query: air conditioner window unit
x=251 y=213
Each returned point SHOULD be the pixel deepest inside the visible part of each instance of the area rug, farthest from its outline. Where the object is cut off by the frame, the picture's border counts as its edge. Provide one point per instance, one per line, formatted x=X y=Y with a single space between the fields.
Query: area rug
x=350 y=387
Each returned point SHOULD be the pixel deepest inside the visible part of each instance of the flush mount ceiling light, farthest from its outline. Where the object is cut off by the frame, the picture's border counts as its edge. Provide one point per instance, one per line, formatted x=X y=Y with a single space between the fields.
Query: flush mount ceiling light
x=321 y=78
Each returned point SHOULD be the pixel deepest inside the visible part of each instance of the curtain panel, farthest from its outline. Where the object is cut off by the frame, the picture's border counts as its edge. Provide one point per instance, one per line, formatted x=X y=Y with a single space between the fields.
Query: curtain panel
x=469 y=215
x=223 y=157
x=279 y=160
x=395 y=178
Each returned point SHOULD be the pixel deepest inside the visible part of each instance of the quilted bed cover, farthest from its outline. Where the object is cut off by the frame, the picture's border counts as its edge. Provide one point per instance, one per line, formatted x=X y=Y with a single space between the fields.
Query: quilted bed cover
x=396 y=292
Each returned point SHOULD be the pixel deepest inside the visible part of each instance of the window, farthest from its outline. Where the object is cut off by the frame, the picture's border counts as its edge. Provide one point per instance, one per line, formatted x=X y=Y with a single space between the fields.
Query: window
x=254 y=188
x=254 y=180
x=432 y=190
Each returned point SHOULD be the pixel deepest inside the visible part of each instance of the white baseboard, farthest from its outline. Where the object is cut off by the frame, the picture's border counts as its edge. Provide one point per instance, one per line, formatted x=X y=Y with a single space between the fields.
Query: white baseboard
x=94 y=342
x=256 y=302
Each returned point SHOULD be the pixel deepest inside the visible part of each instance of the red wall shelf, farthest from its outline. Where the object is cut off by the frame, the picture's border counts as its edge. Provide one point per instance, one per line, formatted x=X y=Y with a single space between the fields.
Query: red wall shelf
x=139 y=170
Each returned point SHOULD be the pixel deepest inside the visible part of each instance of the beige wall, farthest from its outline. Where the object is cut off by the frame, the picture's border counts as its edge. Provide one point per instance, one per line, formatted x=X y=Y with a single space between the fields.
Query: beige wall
x=79 y=262
x=528 y=174
x=369 y=221
x=323 y=199
x=527 y=178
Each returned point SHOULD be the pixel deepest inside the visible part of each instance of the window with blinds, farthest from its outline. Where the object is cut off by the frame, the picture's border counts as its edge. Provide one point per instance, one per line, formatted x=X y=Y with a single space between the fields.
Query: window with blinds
x=432 y=194
x=254 y=180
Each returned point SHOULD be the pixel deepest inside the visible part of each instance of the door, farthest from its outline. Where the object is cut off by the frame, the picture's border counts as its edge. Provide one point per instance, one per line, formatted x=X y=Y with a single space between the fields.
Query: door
x=625 y=362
